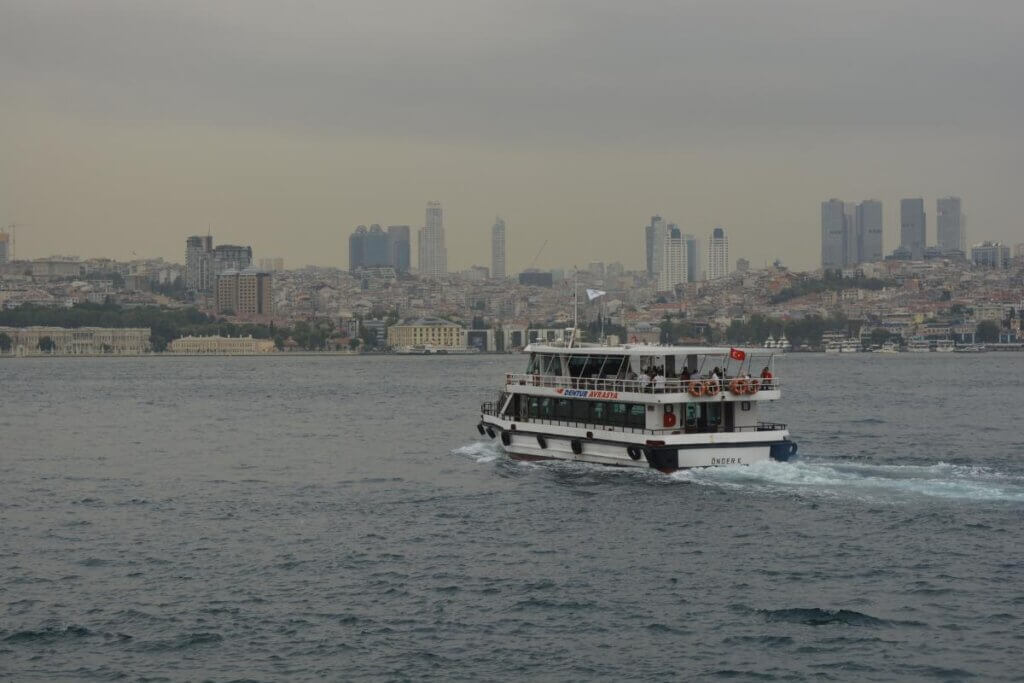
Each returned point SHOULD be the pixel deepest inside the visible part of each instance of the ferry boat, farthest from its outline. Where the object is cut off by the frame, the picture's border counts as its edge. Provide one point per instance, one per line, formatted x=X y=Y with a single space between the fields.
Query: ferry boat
x=919 y=345
x=596 y=404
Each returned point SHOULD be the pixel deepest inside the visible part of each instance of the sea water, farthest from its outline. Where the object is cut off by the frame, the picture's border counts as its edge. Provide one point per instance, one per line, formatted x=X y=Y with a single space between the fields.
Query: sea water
x=340 y=518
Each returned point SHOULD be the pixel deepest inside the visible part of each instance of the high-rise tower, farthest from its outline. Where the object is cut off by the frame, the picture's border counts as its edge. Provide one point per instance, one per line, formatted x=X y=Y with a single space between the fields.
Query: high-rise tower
x=498 y=271
x=718 y=254
x=869 y=231
x=433 y=257
x=950 y=223
x=400 y=251
x=674 y=264
x=833 y=234
x=913 y=229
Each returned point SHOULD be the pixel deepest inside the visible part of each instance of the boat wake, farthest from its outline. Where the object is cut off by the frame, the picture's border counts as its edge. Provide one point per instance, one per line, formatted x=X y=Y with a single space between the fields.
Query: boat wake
x=941 y=480
x=480 y=451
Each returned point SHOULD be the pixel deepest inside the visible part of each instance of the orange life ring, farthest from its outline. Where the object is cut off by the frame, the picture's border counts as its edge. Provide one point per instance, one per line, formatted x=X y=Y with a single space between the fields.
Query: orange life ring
x=753 y=386
x=696 y=388
x=738 y=386
x=711 y=387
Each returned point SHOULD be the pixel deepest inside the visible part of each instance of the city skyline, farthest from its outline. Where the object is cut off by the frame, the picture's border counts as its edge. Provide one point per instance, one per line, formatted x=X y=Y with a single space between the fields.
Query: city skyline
x=117 y=142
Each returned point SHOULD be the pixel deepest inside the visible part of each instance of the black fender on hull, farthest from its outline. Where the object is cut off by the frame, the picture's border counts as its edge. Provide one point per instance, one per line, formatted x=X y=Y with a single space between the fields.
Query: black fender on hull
x=783 y=451
x=663 y=459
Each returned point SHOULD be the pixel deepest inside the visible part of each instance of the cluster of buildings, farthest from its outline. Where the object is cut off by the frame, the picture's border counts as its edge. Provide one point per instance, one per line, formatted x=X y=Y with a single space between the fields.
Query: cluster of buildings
x=673 y=257
x=227 y=275
x=374 y=248
x=852 y=234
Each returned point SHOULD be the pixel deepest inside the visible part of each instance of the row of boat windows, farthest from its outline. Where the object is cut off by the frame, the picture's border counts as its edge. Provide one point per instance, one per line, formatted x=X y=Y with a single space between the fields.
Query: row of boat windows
x=592 y=412
x=696 y=417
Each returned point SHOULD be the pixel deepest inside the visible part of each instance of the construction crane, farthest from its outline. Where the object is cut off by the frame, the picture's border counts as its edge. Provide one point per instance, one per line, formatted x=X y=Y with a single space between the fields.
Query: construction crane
x=12 y=227
x=534 y=261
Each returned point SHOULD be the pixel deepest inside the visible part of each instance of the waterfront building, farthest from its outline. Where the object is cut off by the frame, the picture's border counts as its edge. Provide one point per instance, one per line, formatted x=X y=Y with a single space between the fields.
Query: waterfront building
x=244 y=293
x=990 y=255
x=718 y=254
x=78 y=340
x=868 y=223
x=433 y=256
x=218 y=345
x=951 y=225
x=398 y=235
x=913 y=227
x=498 y=249
x=427 y=332
x=5 y=247
x=742 y=265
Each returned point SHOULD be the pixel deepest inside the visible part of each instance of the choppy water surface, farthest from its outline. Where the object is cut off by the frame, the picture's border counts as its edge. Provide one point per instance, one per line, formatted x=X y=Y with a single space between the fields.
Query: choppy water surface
x=299 y=518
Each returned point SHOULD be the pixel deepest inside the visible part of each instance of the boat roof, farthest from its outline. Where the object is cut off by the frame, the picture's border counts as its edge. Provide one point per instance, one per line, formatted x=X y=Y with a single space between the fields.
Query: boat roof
x=643 y=350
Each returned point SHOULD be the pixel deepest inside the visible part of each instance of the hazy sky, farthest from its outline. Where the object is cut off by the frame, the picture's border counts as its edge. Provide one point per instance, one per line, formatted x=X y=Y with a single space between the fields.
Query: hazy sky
x=126 y=126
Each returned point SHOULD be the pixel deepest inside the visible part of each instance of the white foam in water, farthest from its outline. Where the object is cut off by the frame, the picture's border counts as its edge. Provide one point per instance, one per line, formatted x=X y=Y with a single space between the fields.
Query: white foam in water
x=481 y=451
x=940 y=480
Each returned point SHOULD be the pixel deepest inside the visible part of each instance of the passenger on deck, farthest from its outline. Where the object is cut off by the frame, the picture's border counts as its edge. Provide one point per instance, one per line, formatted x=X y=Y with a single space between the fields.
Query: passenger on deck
x=645 y=381
x=659 y=381
x=766 y=378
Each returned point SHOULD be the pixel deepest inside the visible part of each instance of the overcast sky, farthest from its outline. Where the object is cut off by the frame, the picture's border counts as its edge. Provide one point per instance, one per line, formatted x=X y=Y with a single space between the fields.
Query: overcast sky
x=127 y=126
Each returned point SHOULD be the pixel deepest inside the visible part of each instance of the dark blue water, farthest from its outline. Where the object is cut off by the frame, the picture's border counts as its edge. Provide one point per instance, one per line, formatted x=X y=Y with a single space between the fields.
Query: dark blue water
x=307 y=518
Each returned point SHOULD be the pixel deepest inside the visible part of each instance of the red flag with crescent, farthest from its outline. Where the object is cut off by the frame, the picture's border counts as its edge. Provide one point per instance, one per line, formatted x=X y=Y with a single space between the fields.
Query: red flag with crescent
x=737 y=354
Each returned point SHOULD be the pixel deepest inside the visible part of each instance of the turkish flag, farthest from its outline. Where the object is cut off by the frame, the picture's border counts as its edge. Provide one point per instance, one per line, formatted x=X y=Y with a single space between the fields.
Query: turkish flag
x=737 y=354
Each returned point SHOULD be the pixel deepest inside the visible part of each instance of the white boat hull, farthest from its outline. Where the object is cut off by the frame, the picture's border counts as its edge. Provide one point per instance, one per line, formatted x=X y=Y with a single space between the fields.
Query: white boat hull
x=617 y=449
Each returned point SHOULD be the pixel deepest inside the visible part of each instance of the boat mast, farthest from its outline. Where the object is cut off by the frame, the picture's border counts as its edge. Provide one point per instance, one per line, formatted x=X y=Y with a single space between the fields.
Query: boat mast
x=575 y=307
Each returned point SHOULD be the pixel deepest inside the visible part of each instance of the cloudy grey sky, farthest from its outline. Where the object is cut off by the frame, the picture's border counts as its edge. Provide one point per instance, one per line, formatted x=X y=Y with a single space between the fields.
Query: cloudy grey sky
x=126 y=126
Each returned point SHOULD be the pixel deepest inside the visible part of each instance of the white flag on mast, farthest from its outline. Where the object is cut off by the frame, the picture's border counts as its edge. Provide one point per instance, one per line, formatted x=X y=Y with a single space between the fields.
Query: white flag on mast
x=594 y=293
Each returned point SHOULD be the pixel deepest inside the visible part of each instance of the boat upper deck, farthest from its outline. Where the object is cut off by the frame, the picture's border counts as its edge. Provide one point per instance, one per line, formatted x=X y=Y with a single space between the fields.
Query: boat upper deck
x=648 y=373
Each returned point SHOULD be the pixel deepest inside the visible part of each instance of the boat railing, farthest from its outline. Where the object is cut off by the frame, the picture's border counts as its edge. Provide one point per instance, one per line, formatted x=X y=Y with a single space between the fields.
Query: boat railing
x=668 y=386
x=490 y=409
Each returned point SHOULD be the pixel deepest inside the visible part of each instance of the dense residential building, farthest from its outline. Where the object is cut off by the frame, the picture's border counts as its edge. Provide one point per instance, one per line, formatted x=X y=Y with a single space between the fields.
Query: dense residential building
x=25 y=341
x=674 y=262
x=433 y=256
x=5 y=247
x=498 y=249
x=427 y=332
x=272 y=265
x=244 y=293
x=199 y=263
x=913 y=227
x=531 y=277
x=398 y=235
x=204 y=262
x=218 y=345
x=951 y=227
x=991 y=255
x=868 y=223
x=718 y=254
